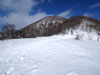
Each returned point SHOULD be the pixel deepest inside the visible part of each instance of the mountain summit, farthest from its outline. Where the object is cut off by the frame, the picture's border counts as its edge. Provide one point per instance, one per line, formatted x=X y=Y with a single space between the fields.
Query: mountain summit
x=44 y=27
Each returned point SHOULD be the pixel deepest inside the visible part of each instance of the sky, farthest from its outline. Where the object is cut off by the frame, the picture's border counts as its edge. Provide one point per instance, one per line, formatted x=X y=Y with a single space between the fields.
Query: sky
x=24 y=12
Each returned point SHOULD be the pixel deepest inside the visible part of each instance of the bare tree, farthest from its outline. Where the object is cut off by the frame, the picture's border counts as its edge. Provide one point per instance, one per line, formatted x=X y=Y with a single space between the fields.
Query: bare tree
x=8 y=30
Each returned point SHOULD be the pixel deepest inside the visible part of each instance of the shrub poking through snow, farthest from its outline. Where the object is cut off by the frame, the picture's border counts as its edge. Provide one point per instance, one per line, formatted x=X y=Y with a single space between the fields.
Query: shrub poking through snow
x=79 y=35
x=90 y=36
x=98 y=37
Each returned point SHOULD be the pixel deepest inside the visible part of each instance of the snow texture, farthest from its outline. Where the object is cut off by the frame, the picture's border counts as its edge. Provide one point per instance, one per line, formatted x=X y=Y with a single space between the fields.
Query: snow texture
x=55 y=55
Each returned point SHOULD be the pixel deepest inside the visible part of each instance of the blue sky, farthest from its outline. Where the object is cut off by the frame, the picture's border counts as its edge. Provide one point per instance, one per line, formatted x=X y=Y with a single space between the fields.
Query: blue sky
x=24 y=12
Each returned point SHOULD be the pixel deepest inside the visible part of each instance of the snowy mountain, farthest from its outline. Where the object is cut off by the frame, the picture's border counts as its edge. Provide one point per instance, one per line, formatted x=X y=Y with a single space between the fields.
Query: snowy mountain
x=52 y=25
x=55 y=55
x=83 y=23
x=44 y=27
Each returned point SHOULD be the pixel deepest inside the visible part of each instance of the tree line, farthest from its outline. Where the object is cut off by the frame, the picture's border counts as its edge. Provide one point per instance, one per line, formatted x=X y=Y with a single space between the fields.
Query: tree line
x=8 y=31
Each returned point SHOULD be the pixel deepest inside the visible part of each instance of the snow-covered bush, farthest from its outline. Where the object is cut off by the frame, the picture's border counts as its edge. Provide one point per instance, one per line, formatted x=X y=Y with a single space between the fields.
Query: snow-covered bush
x=79 y=35
x=98 y=39
x=98 y=36
x=90 y=36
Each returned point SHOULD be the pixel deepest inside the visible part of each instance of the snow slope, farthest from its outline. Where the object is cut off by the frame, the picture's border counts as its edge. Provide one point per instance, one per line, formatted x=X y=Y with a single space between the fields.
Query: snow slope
x=56 y=55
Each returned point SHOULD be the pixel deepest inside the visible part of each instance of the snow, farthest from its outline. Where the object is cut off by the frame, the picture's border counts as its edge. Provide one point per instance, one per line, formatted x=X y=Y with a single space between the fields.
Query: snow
x=55 y=55
x=46 y=21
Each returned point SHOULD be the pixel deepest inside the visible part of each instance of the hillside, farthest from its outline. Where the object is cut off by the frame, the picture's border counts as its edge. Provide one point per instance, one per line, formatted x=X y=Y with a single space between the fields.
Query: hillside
x=83 y=23
x=51 y=25
x=44 y=27
x=55 y=55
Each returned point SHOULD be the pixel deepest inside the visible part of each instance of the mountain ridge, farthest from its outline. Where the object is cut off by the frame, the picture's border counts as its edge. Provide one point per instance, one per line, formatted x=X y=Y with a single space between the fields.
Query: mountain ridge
x=52 y=25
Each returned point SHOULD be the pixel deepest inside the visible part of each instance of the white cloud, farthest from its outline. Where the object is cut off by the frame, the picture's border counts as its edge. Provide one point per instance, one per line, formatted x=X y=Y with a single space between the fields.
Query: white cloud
x=95 y=5
x=65 y=13
x=88 y=14
x=22 y=20
x=23 y=6
x=20 y=10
